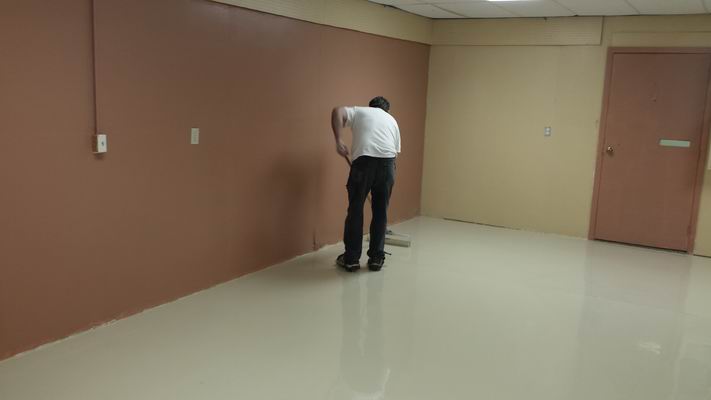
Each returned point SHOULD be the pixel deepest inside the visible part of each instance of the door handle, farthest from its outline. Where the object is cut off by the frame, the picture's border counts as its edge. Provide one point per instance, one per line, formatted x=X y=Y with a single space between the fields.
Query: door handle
x=610 y=150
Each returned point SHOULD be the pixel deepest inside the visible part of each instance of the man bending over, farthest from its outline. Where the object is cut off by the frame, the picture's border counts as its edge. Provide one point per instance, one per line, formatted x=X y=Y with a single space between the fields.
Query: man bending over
x=376 y=144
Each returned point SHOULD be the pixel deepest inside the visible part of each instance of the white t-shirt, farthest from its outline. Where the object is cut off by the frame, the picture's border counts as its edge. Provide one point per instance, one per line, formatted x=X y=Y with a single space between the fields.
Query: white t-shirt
x=375 y=132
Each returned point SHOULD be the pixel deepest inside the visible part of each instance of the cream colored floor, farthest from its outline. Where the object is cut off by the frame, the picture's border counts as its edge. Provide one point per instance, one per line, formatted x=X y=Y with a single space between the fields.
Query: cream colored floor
x=468 y=312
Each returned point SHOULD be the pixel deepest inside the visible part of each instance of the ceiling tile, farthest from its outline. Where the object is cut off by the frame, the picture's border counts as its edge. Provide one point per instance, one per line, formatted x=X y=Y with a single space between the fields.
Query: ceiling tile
x=476 y=9
x=397 y=2
x=428 y=10
x=438 y=2
x=598 y=7
x=668 y=6
x=537 y=8
x=546 y=8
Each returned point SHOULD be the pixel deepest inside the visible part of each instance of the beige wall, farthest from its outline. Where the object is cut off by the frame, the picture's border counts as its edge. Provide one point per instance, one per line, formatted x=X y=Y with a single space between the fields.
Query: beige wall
x=358 y=15
x=518 y=32
x=486 y=159
x=703 y=238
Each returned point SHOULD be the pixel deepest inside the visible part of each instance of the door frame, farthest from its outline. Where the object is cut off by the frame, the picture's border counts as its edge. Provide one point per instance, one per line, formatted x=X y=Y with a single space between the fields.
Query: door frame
x=703 y=154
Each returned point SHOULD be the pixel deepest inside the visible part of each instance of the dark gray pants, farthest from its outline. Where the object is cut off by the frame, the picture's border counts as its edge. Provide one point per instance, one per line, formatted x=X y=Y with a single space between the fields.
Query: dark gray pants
x=375 y=176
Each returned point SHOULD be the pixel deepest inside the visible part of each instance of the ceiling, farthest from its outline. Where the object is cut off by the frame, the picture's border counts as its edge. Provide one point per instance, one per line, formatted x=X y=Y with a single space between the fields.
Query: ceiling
x=546 y=8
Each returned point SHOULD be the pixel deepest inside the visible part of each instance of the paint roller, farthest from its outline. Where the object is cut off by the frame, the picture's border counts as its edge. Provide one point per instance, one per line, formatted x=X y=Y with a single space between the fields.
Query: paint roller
x=391 y=238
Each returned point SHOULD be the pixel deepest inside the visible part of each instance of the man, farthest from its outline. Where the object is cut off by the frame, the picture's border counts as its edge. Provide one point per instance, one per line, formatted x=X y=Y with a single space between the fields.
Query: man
x=376 y=144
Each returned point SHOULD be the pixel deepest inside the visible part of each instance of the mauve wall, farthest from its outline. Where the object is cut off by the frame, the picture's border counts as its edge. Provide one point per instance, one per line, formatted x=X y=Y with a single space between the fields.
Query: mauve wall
x=85 y=240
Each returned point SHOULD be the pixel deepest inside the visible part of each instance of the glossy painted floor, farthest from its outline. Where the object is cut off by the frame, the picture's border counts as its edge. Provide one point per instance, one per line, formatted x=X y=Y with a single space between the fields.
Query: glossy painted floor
x=469 y=312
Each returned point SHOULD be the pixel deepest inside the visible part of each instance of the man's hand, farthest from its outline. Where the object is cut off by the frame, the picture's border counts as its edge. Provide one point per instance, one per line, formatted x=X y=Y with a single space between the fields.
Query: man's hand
x=338 y=123
x=341 y=148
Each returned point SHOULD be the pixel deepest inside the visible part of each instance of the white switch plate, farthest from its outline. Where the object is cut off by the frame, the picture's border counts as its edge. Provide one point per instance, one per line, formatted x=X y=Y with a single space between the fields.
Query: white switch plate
x=100 y=144
x=548 y=131
x=195 y=136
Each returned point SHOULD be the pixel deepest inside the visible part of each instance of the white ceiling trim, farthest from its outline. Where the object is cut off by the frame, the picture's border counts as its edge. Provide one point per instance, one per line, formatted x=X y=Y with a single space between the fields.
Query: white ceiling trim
x=456 y=9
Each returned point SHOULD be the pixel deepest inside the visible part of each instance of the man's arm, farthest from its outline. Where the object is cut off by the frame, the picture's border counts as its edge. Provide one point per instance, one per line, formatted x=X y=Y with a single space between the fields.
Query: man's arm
x=338 y=123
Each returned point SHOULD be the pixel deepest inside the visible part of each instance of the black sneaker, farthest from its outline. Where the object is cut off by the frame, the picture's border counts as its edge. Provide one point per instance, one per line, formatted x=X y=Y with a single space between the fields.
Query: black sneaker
x=376 y=264
x=350 y=267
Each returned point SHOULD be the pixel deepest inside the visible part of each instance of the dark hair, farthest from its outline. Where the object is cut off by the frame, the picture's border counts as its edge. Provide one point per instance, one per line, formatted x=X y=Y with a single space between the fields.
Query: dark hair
x=380 y=102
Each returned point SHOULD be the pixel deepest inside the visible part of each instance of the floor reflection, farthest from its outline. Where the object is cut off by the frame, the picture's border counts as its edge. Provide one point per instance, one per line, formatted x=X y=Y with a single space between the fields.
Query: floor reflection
x=637 y=338
x=363 y=371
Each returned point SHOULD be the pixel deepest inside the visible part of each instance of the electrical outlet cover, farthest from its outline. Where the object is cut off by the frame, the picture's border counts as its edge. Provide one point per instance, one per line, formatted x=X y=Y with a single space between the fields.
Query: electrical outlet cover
x=100 y=144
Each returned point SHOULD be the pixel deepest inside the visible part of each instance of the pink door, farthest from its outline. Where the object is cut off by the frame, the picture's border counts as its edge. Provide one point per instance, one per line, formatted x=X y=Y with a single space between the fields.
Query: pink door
x=653 y=135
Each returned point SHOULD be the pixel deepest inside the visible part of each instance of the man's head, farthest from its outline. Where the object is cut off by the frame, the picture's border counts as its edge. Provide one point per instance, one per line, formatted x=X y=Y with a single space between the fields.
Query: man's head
x=380 y=102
